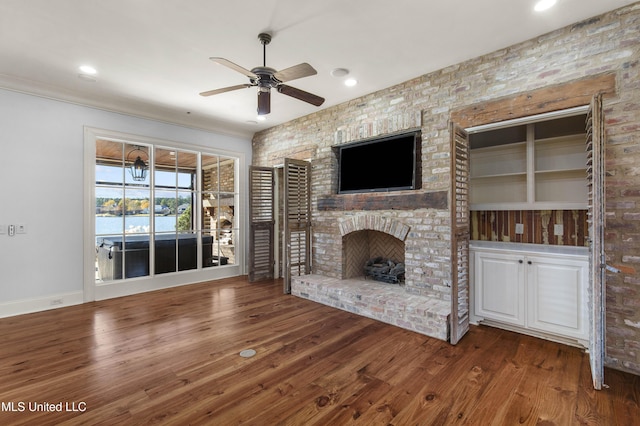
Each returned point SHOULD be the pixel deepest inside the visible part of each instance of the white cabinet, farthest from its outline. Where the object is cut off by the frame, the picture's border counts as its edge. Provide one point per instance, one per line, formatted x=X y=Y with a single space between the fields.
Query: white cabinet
x=532 y=291
x=499 y=287
x=556 y=295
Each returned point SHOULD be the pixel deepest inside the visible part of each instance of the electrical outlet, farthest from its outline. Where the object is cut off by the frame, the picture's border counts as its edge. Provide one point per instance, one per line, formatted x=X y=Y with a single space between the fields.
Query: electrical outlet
x=558 y=230
x=12 y=230
x=519 y=228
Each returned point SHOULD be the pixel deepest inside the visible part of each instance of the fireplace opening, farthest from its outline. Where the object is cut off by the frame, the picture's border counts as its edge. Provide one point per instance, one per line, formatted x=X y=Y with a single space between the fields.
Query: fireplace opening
x=385 y=270
x=363 y=249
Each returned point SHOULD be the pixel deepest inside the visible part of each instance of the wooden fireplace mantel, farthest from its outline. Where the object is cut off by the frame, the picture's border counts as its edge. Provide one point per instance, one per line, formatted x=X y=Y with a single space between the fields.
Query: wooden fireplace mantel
x=406 y=200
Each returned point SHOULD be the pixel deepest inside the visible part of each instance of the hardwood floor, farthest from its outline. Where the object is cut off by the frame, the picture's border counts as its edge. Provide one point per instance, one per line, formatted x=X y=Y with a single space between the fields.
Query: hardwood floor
x=172 y=357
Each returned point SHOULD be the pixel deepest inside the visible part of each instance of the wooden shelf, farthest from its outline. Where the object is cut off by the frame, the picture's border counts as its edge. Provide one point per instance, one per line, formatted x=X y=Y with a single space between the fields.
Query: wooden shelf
x=502 y=160
x=537 y=174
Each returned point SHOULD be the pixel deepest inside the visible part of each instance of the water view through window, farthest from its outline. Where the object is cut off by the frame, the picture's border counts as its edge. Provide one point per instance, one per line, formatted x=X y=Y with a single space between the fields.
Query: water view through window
x=177 y=206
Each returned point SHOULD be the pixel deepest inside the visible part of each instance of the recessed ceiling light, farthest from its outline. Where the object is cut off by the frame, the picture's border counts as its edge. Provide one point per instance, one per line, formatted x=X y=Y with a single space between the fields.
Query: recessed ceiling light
x=339 y=72
x=544 y=5
x=88 y=69
x=350 y=82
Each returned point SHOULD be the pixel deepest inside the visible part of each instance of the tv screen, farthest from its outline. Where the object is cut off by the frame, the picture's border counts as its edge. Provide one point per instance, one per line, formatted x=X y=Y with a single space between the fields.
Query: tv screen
x=386 y=164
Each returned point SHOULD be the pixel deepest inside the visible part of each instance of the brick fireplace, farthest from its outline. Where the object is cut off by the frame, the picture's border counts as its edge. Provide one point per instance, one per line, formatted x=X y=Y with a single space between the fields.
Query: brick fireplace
x=364 y=236
x=360 y=246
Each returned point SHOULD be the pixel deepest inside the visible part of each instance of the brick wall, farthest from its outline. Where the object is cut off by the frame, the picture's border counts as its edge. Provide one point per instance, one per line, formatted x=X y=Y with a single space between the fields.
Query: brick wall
x=606 y=44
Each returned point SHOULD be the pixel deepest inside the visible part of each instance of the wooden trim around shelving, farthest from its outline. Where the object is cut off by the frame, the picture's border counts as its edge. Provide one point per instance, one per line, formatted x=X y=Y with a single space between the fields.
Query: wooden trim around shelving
x=547 y=99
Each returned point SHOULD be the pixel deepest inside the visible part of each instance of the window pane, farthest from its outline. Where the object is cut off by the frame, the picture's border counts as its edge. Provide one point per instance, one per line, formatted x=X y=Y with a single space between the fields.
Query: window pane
x=107 y=174
x=109 y=162
x=209 y=208
x=165 y=258
x=227 y=175
x=227 y=238
x=137 y=165
x=226 y=213
x=108 y=258
x=137 y=211
x=109 y=210
x=186 y=180
x=185 y=212
x=187 y=251
x=209 y=173
x=165 y=168
x=225 y=228
x=209 y=250
x=136 y=255
x=187 y=167
x=164 y=220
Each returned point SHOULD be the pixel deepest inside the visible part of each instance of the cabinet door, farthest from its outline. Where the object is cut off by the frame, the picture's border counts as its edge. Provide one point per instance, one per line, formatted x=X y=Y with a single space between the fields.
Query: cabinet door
x=499 y=287
x=556 y=295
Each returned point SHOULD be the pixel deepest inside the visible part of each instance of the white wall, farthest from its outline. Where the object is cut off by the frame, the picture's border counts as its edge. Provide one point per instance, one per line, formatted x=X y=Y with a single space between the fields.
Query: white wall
x=41 y=186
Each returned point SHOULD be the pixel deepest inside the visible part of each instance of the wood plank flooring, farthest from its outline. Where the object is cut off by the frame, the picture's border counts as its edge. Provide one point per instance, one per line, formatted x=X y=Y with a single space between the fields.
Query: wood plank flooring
x=172 y=357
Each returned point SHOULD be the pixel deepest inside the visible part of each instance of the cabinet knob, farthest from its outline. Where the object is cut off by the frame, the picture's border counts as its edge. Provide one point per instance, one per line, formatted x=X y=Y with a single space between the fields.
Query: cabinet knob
x=529 y=262
x=520 y=261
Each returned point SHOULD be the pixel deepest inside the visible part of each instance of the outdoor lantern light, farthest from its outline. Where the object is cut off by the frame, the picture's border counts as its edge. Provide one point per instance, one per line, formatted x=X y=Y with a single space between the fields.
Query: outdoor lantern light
x=138 y=168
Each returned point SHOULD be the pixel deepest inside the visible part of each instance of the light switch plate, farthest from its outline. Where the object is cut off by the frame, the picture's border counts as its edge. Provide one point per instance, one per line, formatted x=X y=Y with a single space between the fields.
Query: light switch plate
x=519 y=228
x=3 y=229
x=558 y=230
x=21 y=228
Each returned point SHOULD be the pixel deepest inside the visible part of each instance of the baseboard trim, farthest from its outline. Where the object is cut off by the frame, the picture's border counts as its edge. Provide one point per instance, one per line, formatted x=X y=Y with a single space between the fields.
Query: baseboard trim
x=28 y=306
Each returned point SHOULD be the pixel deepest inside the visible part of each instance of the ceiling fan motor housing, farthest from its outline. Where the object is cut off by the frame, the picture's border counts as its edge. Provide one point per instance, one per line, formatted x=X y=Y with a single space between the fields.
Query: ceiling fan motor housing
x=265 y=78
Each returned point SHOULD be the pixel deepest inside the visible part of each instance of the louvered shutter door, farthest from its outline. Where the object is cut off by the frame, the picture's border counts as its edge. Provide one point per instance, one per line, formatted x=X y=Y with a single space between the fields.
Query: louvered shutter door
x=597 y=261
x=261 y=227
x=459 y=207
x=297 y=217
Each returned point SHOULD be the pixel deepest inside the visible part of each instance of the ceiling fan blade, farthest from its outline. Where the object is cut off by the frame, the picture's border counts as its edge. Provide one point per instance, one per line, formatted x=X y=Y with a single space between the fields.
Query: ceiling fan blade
x=264 y=102
x=225 y=89
x=300 y=94
x=227 y=63
x=294 y=72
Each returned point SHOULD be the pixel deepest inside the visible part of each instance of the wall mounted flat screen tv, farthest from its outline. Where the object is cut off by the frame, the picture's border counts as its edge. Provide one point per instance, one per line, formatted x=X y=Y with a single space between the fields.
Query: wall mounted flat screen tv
x=385 y=164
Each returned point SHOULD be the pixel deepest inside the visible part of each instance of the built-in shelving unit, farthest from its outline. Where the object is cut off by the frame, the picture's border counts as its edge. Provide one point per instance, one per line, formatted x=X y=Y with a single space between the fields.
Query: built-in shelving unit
x=534 y=166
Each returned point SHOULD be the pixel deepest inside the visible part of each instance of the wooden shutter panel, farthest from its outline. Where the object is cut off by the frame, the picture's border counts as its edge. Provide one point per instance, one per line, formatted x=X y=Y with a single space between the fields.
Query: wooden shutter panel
x=459 y=207
x=297 y=218
x=597 y=260
x=261 y=226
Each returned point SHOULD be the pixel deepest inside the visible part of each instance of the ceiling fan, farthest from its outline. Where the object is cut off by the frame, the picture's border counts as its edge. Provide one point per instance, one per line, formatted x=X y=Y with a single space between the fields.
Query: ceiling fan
x=266 y=78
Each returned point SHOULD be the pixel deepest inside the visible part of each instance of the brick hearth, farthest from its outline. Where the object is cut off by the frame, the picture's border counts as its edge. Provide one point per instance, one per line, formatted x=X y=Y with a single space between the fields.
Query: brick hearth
x=391 y=304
